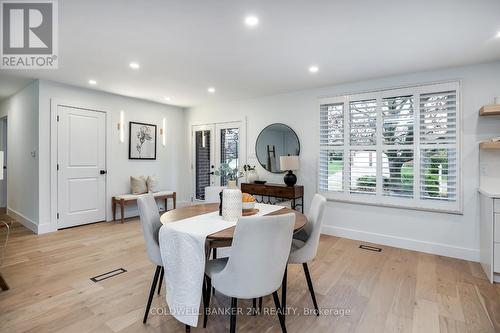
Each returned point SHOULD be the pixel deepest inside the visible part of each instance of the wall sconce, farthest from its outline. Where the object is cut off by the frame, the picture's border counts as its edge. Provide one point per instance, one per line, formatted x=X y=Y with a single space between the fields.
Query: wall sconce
x=163 y=132
x=121 y=128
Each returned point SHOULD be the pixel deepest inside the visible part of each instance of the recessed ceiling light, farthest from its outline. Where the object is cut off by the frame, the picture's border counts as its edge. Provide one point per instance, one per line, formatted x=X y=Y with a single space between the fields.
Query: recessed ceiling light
x=166 y=98
x=313 y=69
x=251 y=21
x=134 y=65
x=498 y=34
x=93 y=82
x=211 y=90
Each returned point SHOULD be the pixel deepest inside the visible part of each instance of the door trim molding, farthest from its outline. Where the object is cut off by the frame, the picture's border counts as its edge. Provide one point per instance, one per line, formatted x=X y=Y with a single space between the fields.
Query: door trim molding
x=244 y=135
x=54 y=104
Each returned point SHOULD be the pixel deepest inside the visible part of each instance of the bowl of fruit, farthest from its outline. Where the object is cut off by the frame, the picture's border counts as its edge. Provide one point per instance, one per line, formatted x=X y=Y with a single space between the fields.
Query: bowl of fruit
x=248 y=201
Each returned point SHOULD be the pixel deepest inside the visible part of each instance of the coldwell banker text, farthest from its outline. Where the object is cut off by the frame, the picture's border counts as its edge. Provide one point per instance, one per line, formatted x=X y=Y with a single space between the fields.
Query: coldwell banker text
x=29 y=34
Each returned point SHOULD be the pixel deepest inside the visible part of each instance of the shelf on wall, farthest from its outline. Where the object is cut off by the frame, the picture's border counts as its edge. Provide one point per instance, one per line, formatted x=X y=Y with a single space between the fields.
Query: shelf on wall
x=490 y=110
x=490 y=145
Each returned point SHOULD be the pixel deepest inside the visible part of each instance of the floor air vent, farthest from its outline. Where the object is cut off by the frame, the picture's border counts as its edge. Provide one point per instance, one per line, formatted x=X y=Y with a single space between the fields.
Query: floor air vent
x=108 y=275
x=370 y=248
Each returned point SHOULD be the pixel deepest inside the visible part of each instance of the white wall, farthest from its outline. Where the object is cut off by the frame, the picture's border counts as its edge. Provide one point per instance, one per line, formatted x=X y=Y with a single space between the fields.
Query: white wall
x=21 y=110
x=446 y=234
x=168 y=166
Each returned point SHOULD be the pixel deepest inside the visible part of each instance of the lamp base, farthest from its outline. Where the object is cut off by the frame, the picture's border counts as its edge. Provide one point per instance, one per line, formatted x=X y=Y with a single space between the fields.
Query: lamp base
x=290 y=179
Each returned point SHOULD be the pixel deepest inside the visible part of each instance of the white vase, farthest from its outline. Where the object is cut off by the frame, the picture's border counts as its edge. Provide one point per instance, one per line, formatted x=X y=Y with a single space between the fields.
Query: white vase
x=231 y=204
x=232 y=184
x=252 y=176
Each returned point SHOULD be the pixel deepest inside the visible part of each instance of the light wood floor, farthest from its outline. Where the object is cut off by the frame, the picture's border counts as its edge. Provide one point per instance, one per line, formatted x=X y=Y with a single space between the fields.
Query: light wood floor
x=396 y=290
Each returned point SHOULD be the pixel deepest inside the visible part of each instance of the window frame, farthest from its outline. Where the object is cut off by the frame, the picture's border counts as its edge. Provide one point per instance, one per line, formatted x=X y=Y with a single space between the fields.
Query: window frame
x=444 y=206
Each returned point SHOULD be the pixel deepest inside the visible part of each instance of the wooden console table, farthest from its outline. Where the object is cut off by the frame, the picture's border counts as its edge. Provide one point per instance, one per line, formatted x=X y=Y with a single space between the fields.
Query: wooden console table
x=278 y=192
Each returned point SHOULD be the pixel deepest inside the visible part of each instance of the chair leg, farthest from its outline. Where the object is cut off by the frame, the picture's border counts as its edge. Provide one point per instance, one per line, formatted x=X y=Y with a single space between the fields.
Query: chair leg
x=151 y=293
x=260 y=304
x=311 y=288
x=161 y=279
x=234 y=305
x=188 y=328
x=207 y=300
x=3 y=284
x=281 y=316
x=254 y=306
x=283 y=291
x=214 y=256
x=204 y=298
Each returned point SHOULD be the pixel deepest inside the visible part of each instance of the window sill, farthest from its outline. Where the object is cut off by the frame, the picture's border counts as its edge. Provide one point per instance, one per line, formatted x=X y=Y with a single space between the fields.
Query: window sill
x=371 y=200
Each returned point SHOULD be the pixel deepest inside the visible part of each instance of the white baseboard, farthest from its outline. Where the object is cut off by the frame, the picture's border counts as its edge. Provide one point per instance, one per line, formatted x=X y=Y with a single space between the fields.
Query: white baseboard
x=404 y=243
x=31 y=225
x=46 y=228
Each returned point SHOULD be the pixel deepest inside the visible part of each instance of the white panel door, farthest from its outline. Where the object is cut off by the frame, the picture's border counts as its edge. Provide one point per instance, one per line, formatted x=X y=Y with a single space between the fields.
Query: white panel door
x=81 y=177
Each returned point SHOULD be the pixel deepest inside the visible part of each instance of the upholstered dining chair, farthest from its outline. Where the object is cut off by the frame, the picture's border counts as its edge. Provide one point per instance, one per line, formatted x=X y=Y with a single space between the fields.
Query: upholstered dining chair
x=304 y=251
x=260 y=249
x=150 y=221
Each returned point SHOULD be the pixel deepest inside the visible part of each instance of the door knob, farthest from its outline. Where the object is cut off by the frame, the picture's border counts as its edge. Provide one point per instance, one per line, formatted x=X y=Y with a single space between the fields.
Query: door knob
x=211 y=173
x=103 y=172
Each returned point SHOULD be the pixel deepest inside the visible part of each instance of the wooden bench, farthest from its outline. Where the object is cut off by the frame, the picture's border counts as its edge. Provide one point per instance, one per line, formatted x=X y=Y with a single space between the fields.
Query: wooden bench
x=127 y=199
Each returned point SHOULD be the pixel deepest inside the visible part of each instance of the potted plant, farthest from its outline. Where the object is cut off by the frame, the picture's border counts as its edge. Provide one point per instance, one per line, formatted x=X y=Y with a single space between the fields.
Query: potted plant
x=251 y=173
x=231 y=175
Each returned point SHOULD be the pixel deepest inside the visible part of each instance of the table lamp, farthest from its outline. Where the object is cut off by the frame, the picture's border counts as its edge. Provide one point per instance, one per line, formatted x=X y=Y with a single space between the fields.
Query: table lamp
x=290 y=164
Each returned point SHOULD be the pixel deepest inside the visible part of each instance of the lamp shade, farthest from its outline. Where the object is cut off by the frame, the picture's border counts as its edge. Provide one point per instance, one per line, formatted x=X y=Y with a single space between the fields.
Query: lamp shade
x=289 y=163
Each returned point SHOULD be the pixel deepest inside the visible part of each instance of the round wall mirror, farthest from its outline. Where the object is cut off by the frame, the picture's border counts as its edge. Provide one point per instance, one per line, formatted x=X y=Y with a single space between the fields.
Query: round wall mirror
x=274 y=141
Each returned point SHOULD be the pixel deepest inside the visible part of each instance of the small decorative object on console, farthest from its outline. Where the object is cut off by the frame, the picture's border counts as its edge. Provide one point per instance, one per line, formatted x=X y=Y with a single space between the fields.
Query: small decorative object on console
x=250 y=173
x=290 y=163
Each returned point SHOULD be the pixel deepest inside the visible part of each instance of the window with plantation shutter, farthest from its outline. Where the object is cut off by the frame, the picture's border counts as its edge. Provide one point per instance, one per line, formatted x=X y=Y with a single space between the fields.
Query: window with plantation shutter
x=397 y=147
x=331 y=141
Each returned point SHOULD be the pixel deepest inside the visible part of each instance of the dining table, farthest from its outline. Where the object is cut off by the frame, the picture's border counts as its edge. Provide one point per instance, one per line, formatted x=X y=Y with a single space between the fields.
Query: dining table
x=224 y=237
x=186 y=238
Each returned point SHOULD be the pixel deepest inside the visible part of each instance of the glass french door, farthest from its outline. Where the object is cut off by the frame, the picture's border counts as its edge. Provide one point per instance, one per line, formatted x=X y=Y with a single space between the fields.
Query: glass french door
x=213 y=146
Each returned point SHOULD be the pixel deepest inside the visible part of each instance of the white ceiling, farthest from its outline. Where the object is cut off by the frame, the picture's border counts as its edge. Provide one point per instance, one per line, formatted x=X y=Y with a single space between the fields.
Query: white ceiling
x=185 y=46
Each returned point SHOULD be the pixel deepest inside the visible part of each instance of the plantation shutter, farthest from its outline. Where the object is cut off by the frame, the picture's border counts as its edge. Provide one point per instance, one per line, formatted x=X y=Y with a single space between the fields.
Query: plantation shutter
x=438 y=146
x=397 y=147
x=397 y=130
x=363 y=122
x=331 y=147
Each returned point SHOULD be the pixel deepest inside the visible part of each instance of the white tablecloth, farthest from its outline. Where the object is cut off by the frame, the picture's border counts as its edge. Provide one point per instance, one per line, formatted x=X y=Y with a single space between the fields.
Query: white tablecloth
x=182 y=246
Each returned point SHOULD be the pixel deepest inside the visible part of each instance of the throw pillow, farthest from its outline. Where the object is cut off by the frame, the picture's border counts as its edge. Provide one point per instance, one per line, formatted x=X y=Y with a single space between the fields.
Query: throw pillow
x=152 y=183
x=138 y=185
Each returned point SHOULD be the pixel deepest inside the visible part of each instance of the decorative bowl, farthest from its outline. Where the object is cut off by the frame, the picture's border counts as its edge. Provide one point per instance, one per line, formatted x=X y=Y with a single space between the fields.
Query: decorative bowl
x=248 y=205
